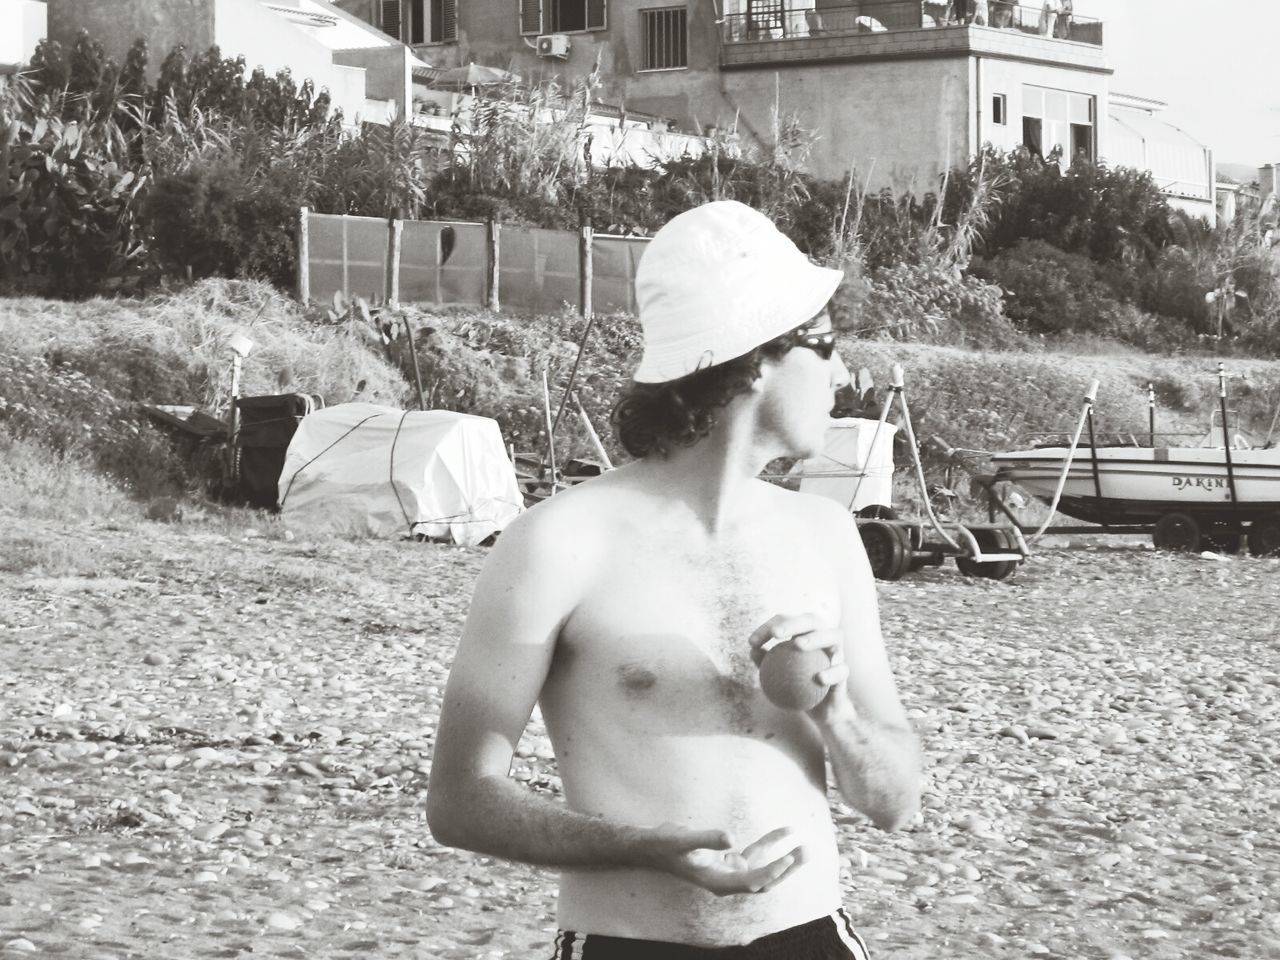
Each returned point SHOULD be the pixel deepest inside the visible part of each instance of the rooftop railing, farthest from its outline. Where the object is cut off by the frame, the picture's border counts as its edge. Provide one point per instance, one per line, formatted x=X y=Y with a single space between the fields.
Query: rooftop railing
x=791 y=19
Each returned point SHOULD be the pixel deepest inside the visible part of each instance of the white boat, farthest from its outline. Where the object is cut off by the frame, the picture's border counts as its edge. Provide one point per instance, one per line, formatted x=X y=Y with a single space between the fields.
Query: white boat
x=1218 y=492
x=1132 y=484
x=1191 y=496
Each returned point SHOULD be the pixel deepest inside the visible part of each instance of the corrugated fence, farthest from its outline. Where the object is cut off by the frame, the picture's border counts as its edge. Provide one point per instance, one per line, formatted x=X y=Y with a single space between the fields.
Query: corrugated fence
x=485 y=264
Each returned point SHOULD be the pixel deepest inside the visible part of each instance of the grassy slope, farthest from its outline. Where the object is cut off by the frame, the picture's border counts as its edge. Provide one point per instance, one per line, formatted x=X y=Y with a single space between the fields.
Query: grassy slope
x=172 y=348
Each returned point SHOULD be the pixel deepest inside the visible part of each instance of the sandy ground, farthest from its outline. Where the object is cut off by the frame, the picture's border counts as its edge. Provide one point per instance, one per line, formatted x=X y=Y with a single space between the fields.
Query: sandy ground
x=216 y=743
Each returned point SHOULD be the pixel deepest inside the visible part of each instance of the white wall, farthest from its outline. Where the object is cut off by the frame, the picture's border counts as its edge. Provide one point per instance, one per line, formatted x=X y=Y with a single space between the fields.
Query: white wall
x=993 y=76
x=23 y=24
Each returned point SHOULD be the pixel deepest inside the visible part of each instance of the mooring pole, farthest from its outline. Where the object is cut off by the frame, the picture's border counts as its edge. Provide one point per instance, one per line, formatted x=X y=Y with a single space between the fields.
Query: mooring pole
x=1093 y=456
x=1151 y=412
x=1226 y=435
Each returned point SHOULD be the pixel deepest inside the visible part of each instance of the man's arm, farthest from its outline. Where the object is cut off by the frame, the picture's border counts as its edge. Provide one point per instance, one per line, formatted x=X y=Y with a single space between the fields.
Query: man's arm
x=529 y=587
x=873 y=751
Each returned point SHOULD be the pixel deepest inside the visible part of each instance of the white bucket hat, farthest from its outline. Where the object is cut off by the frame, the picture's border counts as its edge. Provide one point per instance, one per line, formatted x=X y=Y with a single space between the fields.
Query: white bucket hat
x=715 y=283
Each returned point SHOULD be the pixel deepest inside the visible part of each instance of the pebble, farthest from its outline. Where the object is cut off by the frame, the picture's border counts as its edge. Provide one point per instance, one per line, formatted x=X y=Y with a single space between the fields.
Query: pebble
x=1016 y=733
x=210 y=831
x=279 y=920
x=20 y=945
x=1040 y=731
x=888 y=873
x=155 y=659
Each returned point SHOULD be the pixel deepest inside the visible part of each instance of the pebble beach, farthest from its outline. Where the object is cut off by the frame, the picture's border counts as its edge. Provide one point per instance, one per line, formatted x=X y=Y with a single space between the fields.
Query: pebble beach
x=216 y=743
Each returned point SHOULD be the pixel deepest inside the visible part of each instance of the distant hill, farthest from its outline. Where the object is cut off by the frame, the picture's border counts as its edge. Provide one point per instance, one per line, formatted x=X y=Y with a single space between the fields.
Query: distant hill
x=1239 y=172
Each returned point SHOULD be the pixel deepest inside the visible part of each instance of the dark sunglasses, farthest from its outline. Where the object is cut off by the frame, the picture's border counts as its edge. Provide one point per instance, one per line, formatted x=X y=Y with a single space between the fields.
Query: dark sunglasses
x=823 y=344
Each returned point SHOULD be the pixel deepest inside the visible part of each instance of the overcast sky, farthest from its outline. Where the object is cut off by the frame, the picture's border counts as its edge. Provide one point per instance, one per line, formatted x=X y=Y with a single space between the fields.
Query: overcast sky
x=1213 y=61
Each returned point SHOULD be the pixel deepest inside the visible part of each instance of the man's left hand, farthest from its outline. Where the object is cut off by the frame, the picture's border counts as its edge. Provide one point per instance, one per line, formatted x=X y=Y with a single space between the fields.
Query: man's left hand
x=805 y=630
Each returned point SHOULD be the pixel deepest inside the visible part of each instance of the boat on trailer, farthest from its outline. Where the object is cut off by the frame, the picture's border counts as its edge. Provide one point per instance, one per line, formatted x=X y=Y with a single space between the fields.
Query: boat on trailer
x=1214 y=493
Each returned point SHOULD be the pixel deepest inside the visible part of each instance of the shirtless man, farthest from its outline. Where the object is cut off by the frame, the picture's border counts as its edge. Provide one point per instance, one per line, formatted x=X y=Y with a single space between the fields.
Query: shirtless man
x=636 y=608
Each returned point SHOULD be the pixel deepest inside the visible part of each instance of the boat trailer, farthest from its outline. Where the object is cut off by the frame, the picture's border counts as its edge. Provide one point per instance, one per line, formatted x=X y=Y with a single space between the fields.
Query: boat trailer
x=896 y=546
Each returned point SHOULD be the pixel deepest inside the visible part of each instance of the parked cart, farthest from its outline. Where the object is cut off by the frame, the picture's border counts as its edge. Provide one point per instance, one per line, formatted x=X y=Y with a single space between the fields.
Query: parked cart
x=856 y=469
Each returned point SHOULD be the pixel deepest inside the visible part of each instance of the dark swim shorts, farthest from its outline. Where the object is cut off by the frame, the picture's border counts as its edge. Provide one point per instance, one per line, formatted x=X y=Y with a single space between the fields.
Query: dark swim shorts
x=828 y=938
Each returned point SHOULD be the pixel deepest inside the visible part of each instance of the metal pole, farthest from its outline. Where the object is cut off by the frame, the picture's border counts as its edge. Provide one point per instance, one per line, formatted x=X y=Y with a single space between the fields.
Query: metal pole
x=1151 y=412
x=413 y=352
x=551 y=440
x=591 y=433
x=1093 y=455
x=894 y=389
x=573 y=374
x=1226 y=436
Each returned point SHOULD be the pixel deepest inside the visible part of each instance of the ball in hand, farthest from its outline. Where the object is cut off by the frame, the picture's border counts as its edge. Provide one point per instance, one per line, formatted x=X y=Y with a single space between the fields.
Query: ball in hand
x=787 y=676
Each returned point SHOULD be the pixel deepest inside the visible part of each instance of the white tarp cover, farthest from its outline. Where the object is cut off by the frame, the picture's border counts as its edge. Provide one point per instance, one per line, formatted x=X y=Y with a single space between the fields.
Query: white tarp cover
x=368 y=468
x=846 y=453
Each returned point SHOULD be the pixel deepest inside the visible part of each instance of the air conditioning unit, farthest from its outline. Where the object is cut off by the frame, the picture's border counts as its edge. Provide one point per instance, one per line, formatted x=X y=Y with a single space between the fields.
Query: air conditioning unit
x=553 y=45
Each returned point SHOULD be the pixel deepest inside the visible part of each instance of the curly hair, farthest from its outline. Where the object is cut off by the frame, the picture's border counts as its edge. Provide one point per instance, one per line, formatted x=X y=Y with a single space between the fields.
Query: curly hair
x=658 y=417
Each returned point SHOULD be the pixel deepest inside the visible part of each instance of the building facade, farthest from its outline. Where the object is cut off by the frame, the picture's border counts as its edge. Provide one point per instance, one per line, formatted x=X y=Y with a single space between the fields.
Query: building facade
x=1181 y=165
x=898 y=89
x=367 y=73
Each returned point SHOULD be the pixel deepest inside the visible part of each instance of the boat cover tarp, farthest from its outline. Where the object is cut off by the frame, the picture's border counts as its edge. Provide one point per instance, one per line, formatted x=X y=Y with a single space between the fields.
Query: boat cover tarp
x=848 y=450
x=360 y=467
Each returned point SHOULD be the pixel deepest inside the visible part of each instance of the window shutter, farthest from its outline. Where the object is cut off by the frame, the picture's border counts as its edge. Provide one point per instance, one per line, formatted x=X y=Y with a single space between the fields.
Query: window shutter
x=448 y=20
x=391 y=18
x=596 y=15
x=530 y=16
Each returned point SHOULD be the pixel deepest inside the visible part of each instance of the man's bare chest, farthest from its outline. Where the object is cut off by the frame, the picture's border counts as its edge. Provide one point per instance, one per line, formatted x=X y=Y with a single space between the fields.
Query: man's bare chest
x=665 y=632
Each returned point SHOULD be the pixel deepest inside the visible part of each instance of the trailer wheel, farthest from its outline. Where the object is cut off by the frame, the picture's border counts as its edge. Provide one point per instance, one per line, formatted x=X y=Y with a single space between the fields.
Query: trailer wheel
x=1177 y=531
x=1264 y=536
x=878 y=511
x=990 y=541
x=1221 y=542
x=886 y=547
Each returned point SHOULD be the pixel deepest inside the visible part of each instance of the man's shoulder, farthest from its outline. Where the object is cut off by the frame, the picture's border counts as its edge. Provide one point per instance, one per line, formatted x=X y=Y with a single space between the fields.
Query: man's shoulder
x=824 y=513
x=568 y=522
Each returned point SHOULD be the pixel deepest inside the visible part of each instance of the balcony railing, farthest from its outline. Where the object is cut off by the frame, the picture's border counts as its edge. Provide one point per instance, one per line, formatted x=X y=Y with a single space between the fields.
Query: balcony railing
x=788 y=19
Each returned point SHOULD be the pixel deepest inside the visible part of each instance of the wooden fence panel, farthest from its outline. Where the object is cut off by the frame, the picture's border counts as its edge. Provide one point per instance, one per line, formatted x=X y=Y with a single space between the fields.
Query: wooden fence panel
x=614 y=261
x=446 y=263
x=539 y=269
x=443 y=263
x=347 y=254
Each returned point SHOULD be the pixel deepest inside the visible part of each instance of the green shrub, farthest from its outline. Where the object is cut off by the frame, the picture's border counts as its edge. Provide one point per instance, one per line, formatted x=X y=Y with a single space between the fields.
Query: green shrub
x=68 y=220
x=1109 y=214
x=1050 y=291
x=64 y=411
x=1175 y=287
x=214 y=220
x=929 y=302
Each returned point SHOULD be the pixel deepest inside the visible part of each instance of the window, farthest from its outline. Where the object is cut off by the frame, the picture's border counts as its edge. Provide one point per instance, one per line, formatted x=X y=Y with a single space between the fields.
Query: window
x=1081 y=141
x=420 y=21
x=1032 y=136
x=665 y=44
x=391 y=18
x=560 y=16
x=1058 y=120
x=999 y=110
x=765 y=18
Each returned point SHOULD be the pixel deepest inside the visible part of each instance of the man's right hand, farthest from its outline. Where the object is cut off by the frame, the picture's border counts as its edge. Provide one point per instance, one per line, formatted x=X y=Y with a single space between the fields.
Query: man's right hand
x=706 y=858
